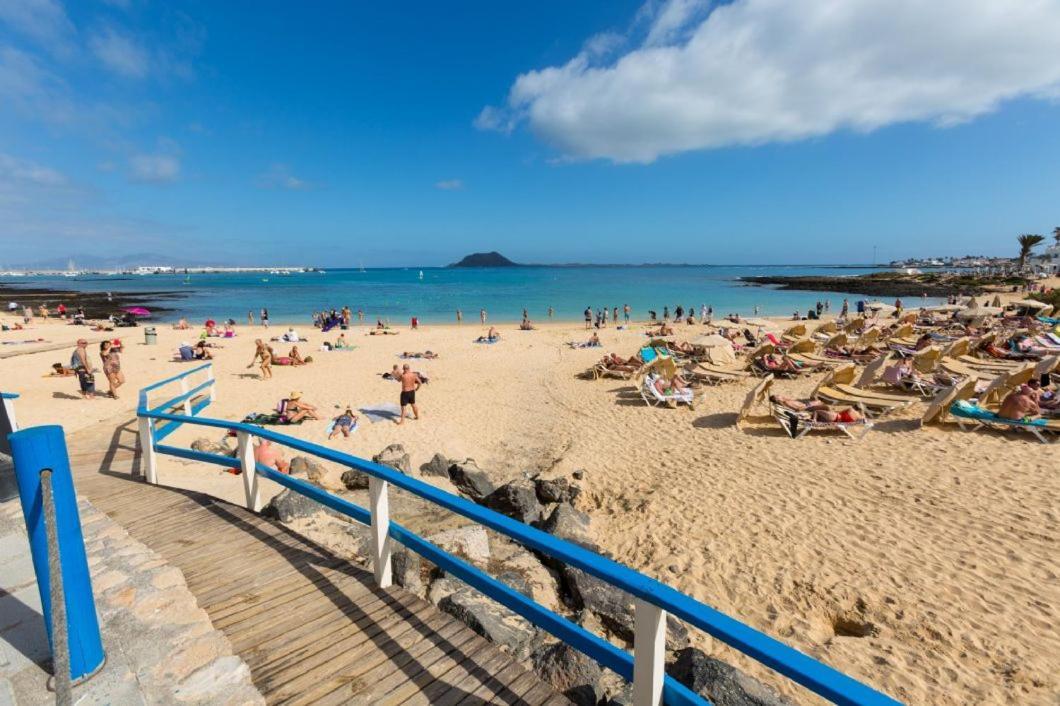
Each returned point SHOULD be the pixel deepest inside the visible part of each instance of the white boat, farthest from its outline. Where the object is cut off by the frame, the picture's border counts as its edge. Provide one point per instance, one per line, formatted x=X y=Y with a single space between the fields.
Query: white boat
x=421 y=274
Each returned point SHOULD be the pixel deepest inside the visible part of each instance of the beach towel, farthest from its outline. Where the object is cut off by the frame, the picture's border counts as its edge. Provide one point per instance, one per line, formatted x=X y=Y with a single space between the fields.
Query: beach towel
x=648 y=354
x=270 y=419
x=489 y=341
x=967 y=410
x=386 y=412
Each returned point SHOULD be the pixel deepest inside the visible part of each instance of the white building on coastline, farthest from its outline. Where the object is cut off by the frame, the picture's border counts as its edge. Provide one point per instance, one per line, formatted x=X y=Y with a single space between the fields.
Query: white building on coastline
x=1048 y=260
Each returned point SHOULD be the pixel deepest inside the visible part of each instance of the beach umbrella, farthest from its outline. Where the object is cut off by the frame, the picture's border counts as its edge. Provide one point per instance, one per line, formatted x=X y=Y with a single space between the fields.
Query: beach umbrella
x=136 y=311
x=711 y=340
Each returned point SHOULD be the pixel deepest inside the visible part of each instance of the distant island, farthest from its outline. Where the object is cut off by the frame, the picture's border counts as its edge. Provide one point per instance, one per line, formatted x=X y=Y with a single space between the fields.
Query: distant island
x=485 y=259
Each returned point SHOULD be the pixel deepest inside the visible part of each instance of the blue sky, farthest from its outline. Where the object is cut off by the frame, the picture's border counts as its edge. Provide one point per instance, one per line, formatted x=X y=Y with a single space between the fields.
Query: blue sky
x=403 y=134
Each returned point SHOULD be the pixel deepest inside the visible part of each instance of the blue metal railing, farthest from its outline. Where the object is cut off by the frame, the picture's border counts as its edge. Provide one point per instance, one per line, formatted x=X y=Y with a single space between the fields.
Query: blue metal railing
x=815 y=676
x=8 y=396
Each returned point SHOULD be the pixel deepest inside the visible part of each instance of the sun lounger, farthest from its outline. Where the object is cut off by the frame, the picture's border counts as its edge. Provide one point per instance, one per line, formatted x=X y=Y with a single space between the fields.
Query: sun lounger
x=755 y=397
x=715 y=374
x=653 y=397
x=871 y=405
x=972 y=416
x=799 y=423
x=940 y=404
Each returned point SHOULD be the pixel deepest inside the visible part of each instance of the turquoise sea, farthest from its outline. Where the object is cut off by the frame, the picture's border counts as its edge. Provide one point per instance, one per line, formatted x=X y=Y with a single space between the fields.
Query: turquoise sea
x=399 y=293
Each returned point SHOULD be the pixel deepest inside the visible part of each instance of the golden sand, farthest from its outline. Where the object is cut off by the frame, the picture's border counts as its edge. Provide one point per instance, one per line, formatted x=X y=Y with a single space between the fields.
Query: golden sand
x=921 y=561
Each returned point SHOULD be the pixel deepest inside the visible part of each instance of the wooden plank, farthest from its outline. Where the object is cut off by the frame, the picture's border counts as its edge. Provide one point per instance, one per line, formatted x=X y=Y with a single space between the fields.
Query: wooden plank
x=448 y=656
x=373 y=684
x=321 y=602
x=280 y=653
x=500 y=689
x=341 y=667
x=425 y=655
x=469 y=676
x=277 y=595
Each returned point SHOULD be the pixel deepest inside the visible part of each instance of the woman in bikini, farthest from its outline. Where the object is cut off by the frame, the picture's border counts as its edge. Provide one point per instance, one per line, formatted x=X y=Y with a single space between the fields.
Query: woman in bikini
x=111 y=367
x=264 y=353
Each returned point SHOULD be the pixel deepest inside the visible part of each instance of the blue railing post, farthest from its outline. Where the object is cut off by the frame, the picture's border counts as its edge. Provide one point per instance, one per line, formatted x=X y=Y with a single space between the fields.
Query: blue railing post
x=41 y=451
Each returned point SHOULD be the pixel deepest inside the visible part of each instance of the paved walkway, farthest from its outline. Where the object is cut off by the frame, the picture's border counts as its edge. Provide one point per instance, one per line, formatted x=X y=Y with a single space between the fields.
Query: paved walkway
x=312 y=627
x=160 y=646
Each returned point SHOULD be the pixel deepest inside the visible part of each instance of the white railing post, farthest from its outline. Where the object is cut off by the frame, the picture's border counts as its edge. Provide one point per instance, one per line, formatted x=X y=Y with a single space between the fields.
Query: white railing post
x=381 y=549
x=147 y=451
x=9 y=412
x=250 y=471
x=212 y=388
x=649 y=652
x=187 y=400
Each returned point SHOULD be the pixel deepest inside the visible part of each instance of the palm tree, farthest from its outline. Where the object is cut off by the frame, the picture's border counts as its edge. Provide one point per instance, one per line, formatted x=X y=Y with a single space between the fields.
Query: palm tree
x=1027 y=242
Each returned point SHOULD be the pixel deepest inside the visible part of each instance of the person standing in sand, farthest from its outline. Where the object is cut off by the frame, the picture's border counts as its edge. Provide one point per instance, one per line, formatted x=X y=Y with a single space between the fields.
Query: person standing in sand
x=265 y=354
x=108 y=352
x=459 y=316
x=264 y=317
x=626 y=310
x=250 y=318
x=482 y=316
x=81 y=365
x=410 y=382
x=551 y=312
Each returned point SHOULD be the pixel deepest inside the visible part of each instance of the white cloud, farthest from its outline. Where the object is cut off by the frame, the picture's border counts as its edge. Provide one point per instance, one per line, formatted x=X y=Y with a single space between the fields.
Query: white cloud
x=43 y=21
x=154 y=168
x=450 y=184
x=278 y=176
x=120 y=53
x=13 y=169
x=704 y=76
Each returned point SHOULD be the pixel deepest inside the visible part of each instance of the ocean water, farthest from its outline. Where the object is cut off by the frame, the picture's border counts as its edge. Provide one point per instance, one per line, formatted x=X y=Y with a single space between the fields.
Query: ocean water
x=396 y=294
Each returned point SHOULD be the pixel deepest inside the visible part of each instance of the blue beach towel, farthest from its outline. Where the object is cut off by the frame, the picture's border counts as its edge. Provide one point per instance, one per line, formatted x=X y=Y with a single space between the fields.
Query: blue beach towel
x=967 y=410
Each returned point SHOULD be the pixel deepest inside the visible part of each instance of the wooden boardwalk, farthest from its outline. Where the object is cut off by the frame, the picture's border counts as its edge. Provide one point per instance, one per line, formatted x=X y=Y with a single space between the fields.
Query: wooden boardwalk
x=312 y=627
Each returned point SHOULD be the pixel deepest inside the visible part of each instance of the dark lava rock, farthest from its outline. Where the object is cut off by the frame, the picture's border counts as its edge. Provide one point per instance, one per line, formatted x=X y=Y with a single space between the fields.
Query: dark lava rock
x=490 y=619
x=289 y=505
x=567 y=523
x=719 y=682
x=569 y=672
x=355 y=480
x=517 y=500
x=471 y=480
x=614 y=607
x=437 y=466
x=556 y=490
x=396 y=457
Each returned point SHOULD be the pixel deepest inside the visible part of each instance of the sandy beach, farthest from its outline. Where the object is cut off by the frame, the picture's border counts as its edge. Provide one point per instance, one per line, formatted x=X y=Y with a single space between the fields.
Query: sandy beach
x=922 y=561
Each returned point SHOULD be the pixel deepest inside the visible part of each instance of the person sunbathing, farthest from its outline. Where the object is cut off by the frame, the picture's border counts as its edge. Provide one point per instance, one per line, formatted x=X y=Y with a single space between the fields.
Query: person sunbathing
x=200 y=351
x=669 y=388
x=268 y=455
x=296 y=357
x=490 y=337
x=1020 y=405
x=779 y=363
x=61 y=371
x=344 y=424
x=340 y=342
x=395 y=374
x=526 y=325
x=594 y=341
x=429 y=355
x=295 y=410
x=613 y=361
x=182 y=325
x=664 y=330
x=819 y=411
